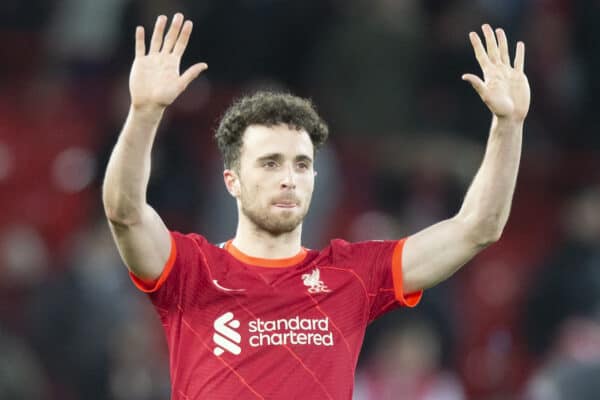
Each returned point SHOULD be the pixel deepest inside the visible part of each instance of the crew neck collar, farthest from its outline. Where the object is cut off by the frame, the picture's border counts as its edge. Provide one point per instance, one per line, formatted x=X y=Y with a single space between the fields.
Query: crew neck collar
x=264 y=262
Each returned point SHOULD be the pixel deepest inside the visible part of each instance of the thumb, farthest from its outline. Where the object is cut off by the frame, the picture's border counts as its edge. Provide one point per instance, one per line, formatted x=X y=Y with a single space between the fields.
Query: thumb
x=192 y=73
x=476 y=82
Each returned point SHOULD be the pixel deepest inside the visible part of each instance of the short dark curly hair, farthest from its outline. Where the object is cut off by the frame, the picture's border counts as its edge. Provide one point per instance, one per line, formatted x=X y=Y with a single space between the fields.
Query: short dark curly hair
x=267 y=109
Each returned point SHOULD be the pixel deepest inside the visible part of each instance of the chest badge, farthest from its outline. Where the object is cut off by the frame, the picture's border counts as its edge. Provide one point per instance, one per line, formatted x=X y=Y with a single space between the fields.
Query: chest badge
x=314 y=282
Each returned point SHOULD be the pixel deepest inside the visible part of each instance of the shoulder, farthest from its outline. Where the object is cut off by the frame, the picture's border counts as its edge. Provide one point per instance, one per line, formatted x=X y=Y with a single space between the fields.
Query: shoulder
x=195 y=237
x=343 y=247
x=339 y=249
x=195 y=243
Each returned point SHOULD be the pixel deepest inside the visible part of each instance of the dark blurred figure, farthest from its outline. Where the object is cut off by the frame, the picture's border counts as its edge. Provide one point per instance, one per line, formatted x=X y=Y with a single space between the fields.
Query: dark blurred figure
x=363 y=71
x=253 y=40
x=90 y=329
x=562 y=320
x=407 y=364
x=20 y=26
x=572 y=367
x=569 y=284
x=586 y=42
x=21 y=374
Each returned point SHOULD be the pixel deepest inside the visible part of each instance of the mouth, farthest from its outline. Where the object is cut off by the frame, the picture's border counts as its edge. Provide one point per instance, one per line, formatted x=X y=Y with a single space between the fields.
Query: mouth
x=285 y=204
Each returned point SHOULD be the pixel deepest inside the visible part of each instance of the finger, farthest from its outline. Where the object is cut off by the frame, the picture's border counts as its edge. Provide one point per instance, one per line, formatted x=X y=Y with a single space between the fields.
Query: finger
x=192 y=73
x=503 y=46
x=480 y=53
x=476 y=82
x=173 y=33
x=157 y=35
x=520 y=56
x=184 y=38
x=490 y=41
x=140 y=45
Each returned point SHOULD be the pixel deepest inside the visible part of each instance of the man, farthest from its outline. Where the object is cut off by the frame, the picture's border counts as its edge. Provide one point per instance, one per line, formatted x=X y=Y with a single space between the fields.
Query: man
x=261 y=317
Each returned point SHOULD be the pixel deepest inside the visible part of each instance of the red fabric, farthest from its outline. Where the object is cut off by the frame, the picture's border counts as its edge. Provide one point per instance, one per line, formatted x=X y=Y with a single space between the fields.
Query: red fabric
x=153 y=286
x=412 y=299
x=319 y=307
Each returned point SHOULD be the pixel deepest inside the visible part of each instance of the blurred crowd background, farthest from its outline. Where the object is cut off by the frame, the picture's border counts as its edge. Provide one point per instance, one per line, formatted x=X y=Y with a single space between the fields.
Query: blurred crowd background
x=521 y=321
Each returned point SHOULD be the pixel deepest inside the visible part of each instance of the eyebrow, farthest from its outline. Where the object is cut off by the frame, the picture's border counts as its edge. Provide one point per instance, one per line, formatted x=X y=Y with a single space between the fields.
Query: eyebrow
x=278 y=157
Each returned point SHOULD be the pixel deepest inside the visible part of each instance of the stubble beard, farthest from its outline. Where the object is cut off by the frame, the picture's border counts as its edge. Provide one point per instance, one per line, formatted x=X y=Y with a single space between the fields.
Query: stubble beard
x=274 y=225
x=265 y=220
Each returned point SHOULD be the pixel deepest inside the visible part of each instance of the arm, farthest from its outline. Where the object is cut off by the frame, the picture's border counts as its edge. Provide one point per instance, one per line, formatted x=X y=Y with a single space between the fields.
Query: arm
x=154 y=83
x=435 y=253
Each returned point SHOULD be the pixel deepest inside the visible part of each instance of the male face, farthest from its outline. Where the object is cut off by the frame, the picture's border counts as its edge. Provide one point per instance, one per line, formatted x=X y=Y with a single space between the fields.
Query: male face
x=275 y=177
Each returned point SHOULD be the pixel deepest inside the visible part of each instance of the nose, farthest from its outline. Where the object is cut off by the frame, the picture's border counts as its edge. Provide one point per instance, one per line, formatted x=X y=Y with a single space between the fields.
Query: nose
x=288 y=180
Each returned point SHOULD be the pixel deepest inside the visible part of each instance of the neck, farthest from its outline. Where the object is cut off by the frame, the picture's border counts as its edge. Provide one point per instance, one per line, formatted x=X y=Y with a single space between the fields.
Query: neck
x=256 y=242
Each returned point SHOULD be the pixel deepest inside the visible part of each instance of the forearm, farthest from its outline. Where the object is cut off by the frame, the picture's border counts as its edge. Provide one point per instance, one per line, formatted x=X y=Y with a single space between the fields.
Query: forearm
x=487 y=203
x=128 y=170
x=435 y=253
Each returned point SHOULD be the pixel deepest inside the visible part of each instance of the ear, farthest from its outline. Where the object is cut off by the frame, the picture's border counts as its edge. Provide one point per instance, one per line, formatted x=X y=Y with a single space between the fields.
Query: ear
x=232 y=182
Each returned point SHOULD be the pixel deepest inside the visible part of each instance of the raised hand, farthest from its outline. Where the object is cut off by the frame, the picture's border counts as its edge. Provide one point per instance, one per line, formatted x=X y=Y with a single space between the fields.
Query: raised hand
x=155 y=80
x=504 y=89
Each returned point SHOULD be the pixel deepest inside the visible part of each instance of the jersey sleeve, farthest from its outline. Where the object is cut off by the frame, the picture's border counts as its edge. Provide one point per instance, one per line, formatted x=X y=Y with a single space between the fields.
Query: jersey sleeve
x=184 y=267
x=379 y=265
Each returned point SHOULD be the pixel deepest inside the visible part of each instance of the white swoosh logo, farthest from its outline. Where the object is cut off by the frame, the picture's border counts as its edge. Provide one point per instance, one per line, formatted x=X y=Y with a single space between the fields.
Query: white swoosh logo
x=227 y=289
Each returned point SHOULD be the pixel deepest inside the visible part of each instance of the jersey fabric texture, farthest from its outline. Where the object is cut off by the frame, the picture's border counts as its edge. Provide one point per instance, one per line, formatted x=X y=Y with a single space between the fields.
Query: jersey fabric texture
x=239 y=327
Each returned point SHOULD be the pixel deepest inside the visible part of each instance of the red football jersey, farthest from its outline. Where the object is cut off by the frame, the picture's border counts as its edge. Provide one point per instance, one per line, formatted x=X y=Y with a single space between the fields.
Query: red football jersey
x=240 y=327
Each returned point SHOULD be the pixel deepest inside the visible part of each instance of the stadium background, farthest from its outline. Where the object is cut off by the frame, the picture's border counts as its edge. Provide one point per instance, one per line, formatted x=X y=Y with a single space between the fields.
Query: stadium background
x=520 y=321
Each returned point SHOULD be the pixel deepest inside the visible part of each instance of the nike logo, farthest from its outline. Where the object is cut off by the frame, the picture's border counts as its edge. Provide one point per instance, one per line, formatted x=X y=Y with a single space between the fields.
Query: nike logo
x=227 y=289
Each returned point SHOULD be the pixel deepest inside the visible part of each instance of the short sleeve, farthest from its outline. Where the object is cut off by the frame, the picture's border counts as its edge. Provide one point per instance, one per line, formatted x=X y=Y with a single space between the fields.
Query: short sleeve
x=181 y=269
x=379 y=265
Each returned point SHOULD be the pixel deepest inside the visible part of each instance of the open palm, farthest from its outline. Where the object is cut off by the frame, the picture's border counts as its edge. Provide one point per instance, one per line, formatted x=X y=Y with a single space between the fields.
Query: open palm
x=155 y=79
x=504 y=89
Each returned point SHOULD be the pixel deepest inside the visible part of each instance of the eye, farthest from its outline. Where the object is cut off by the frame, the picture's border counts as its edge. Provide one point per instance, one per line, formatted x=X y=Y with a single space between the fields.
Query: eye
x=303 y=166
x=270 y=164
